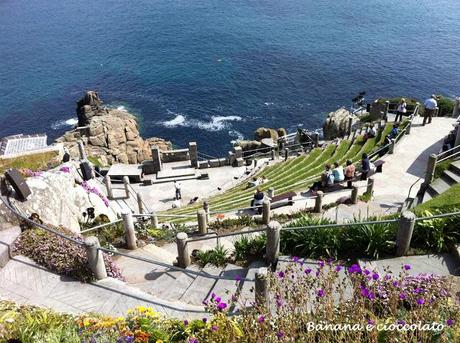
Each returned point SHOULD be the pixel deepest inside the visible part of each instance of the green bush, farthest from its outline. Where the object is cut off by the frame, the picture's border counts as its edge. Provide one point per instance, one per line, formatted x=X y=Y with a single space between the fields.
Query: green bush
x=59 y=254
x=233 y=223
x=217 y=256
x=446 y=106
x=247 y=248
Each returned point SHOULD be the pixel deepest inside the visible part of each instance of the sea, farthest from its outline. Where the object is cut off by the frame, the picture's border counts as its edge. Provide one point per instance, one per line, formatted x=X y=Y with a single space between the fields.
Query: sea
x=212 y=71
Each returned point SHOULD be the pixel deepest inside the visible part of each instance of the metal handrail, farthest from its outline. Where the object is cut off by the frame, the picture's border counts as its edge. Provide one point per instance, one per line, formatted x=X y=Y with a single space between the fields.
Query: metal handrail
x=340 y=225
x=449 y=156
x=101 y=226
x=21 y=216
x=442 y=215
x=239 y=233
x=445 y=152
x=170 y=266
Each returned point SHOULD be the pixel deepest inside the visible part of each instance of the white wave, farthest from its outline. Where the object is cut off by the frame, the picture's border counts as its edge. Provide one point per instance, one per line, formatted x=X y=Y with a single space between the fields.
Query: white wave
x=239 y=136
x=122 y=108
x=63 y=123
x=216 y=123
x=269 y=103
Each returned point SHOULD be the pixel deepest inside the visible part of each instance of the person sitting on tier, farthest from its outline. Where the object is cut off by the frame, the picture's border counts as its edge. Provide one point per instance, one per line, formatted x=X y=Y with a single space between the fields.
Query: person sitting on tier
x=350 y=171
x=394 y=131
x=257 y=181
x=337 y=172
x=327 y=179
x=258 y=199
x=371 y=132
x=365 y=166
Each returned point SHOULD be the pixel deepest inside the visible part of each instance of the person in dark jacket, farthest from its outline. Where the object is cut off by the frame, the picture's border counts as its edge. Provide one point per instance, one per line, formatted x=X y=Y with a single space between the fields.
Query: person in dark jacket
x=365 y=166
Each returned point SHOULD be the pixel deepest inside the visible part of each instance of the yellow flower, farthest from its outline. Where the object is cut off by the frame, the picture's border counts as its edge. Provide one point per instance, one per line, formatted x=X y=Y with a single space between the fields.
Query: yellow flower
x=159 y=341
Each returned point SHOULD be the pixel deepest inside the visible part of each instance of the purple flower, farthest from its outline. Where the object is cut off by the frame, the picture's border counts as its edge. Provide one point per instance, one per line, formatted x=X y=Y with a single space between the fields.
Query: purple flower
x=354 y=269
x=370 y=322
x=338 y=268
x=402 y=296
x=420 y=301
x=185 y=322
x=320 y=293
x=280 y=334
x=65 y=169
x=450 y=322
x=214 y=328
x=217 y=299
x=279 y=302
x=261 y=319
x=192 y=340
x=407 y=267
x=371 y=296
x=204 y=320
x=213 y=295
x=238 y=278
x=365 y=292
x=395 y=283
x=295 y=259
x=281 y=274
x=321 y=264
x=375 y=276
x=418 y=290
x=307 y=271
x=387 y=277
x=401 y=322
x=222 y=306
x=366 y=271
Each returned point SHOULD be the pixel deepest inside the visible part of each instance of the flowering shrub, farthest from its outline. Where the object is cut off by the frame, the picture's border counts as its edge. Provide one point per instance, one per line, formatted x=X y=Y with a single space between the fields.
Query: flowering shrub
x=29 y=173
x=89 y=189
x=65 y=169
x=59 y=254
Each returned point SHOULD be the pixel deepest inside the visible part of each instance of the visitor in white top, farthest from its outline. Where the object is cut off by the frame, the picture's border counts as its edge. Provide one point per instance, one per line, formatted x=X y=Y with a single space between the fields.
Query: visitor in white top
x=430 y=107
x=338 y=173
x=401 y=110
x=177 y=185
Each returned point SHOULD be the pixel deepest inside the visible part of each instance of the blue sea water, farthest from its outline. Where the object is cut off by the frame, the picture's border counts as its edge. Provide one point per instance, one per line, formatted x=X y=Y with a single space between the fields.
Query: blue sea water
x=215 y=70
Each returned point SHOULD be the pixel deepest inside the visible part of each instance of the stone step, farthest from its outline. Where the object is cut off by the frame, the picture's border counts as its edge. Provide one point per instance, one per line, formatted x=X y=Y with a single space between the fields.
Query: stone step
x=455 y=167
x=437 y=187
x=226 y=288
x=451 y=177
x=201 y=287
x=7 y=238
x=247 y=294
x=172 y=284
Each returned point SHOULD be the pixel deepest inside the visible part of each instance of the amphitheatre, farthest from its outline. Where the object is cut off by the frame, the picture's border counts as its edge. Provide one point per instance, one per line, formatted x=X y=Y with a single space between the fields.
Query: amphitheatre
x=112 y=237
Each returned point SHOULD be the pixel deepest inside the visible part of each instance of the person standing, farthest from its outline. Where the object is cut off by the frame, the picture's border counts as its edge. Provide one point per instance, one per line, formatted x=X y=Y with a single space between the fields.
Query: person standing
x=365 y=166
x=401 y=110
x=430 y=107
x=350 y=173
x=177 y=186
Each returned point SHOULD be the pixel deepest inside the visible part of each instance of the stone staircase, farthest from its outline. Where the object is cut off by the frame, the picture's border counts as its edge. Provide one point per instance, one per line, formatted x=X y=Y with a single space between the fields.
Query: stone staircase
x=8 y=234
x=448 y=178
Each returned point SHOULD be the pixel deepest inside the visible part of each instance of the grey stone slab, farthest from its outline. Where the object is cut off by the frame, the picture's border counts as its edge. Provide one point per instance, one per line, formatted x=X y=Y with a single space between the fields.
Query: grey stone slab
x=201 y=287
x=7 y=238
x=247 y=288
x=438 y=186
x=214 y=163
x=451 y=176
x=133 y=171
x=172 y=285
x=455 y=166
x=226 y=288
x=203 y=164
x=173 y=173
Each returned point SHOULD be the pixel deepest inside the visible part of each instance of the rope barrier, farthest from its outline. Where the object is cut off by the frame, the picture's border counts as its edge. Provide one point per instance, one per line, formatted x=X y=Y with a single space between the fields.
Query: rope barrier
x=101 y=226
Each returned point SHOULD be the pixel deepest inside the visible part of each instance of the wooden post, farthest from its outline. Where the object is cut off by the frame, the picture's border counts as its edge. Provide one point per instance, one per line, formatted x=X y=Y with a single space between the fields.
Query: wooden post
x=430 y=168
x=404 y=236
x=206 y=209
x=266 y=211
x=273 y=242
x=155 y=221
x=286 y=153
x=130 y=233
x=273 y=154
x=261 y=287
x=183 y=256
x=391 y=148
x=108 y=185
x=81 y=149
x=354 y=195
x=202 y=223
x=95 y=258
x=319 y=202
x=140 y=203
x=126 y=185
x=370 y=186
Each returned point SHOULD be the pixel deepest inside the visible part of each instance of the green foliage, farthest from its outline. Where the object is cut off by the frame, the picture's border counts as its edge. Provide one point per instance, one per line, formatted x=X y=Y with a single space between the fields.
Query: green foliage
x=437 y=234
x=446 y=106
x=441 y=167
x=59 y=254
x=217 y=256
x=444 y=202
x=233 y=223
x=95 y=161
x=366 y=197
x=247 y=248
x=40 y=161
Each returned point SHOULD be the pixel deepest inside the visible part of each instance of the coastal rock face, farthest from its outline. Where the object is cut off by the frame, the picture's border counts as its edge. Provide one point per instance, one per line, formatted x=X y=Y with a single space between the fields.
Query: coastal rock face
x=60 y=197
x=263 y=132
x=337 y=122
x=110 y=135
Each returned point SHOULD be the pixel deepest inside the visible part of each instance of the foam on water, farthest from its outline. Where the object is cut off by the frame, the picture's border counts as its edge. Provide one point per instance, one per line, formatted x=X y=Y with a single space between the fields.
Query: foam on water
x=63 y=123
x=216 y=123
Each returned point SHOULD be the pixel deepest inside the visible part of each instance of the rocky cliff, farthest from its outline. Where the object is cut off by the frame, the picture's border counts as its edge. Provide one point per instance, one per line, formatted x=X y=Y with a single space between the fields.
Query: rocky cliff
x=110 y=135
x=260 y=134
x=337 y=122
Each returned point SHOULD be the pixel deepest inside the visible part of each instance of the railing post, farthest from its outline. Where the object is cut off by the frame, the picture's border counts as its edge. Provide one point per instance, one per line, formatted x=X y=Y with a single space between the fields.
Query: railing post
x=130 y=233
x=370 y=186
x=350 y=125
x=271 y=192
x=202 y=222
x=266 y=212
x=273 y=242
x=108 y=185
x=183 y=256
x=206 y=209
x=286 y=153
x=261 y=287
x=404 y=236
x=430 y=168
x=193 y=153
x=126 y=185
x=81 y=149
x=319 y=202
x=95 y=258
x=354 y=195
x=409 y=127
x=154 y=219
x=273 y=154
x=140 y=203
x=391 y=148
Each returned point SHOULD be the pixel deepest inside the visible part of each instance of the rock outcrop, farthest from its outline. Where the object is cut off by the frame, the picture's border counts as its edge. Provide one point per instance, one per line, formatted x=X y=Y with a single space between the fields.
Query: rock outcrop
x=259 y=134
x=60 y=197
x=337 y=123
x=110 y=135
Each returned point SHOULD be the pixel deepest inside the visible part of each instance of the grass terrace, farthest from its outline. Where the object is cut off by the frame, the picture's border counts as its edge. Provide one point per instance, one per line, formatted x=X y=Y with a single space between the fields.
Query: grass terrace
x=295 y=174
